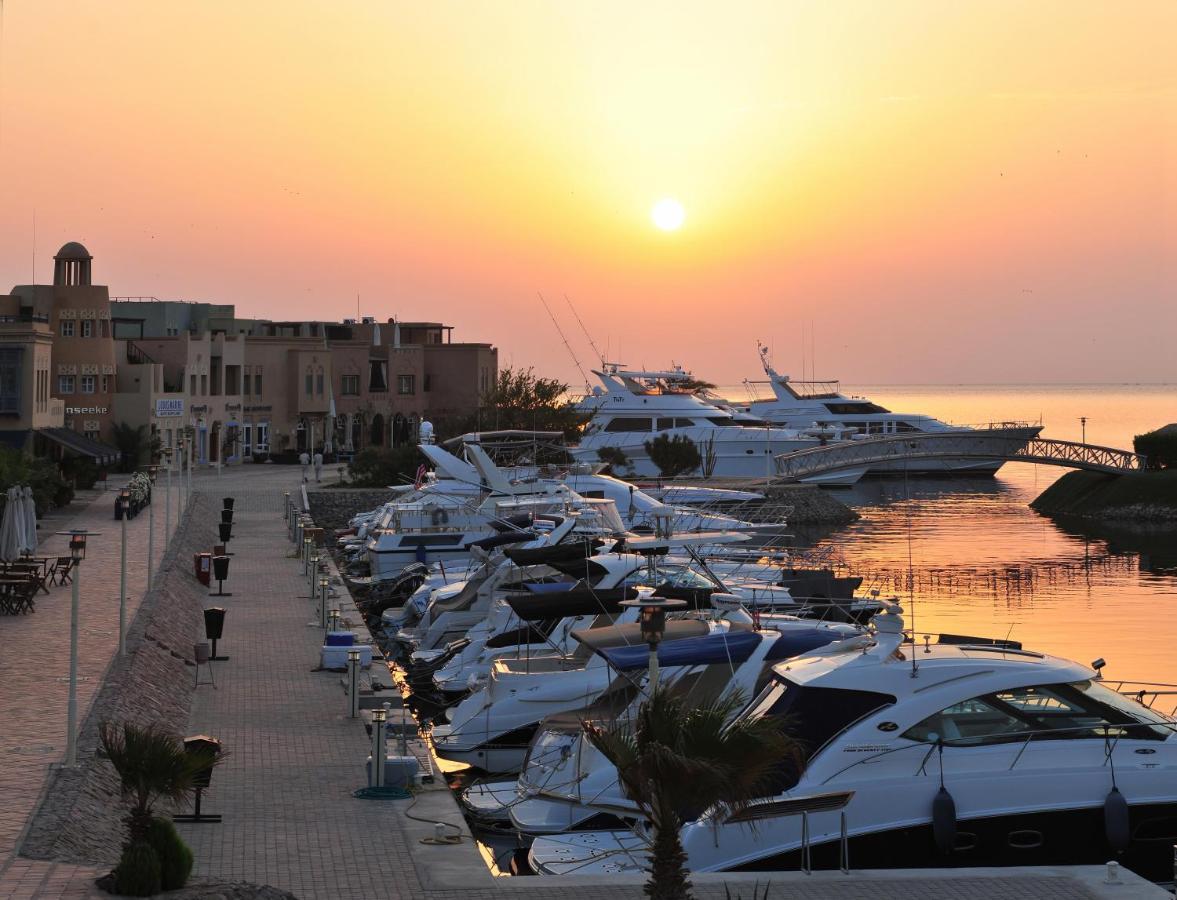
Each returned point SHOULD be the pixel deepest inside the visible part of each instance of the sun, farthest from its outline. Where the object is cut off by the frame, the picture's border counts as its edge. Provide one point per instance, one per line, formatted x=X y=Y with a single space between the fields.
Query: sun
x=668 y=214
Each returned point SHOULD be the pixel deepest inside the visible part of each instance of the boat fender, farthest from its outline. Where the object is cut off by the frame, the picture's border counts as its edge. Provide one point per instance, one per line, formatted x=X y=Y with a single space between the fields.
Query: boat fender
x=944 y=821
x=1116 y=820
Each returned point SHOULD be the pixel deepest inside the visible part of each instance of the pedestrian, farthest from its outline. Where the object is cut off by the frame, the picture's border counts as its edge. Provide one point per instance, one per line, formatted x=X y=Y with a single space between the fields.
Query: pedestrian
x=304 y=460
x=318 y=466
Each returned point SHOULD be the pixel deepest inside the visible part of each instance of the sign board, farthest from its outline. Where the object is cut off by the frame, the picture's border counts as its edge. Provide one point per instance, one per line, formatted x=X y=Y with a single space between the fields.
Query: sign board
x=169 y=407
x=85 y=410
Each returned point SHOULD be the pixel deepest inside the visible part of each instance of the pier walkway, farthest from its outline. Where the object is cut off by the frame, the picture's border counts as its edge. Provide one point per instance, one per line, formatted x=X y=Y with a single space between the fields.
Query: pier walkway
x=286 y=789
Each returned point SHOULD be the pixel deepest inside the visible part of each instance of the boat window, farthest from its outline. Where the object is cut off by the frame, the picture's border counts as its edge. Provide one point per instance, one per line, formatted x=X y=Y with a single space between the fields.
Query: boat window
x=813 y=717
x=1081 y=710
x=721 y=421
x=905 y=428
x=624 y=424
x=855 y=408
x=664 y=424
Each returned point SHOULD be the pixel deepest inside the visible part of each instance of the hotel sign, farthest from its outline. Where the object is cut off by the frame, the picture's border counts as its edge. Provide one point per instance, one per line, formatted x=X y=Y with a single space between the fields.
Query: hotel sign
x=169 y=407
x=85 y=410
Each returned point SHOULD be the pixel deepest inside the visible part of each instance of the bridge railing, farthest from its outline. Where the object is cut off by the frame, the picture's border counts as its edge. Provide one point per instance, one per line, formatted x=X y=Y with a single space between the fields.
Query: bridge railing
x=958 y=445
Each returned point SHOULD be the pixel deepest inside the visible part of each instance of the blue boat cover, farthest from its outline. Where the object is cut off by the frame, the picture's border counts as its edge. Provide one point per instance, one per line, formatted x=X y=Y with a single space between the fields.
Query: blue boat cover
x=796 y=641
x=698 y=651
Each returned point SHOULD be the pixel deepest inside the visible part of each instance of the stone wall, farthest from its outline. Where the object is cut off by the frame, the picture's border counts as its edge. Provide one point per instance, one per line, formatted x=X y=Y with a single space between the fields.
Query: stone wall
x=332 y=507
x=81 y=812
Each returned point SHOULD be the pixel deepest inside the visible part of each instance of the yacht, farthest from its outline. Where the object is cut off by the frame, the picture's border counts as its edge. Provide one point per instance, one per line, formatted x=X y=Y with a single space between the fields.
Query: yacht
x=948 y=754
x=634 y=407
x=822 y=408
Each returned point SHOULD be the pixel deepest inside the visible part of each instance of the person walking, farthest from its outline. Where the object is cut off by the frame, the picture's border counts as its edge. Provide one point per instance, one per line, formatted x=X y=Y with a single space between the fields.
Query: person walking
x=318 y=466
x=304 y=460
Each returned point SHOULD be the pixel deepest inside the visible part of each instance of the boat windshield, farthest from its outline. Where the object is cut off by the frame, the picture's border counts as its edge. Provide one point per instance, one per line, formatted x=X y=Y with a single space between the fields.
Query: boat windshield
x=812 y=716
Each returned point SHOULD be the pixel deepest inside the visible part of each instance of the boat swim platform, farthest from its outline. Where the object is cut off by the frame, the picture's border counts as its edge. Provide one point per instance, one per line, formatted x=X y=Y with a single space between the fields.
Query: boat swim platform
x=981 y=445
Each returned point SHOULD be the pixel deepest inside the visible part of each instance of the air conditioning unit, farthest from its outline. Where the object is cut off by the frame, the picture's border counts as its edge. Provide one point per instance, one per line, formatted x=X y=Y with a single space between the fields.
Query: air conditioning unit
x=349 y=321
x=369 y=320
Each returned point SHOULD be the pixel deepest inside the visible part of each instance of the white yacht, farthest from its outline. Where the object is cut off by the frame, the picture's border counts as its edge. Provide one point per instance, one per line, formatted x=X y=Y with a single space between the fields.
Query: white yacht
x=638 y=406
x=821 y=408
x=935 y=754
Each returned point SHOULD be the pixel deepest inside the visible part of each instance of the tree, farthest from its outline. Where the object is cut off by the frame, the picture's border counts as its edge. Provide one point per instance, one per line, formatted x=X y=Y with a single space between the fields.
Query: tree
x=673 y=456
x=521 y=400
x=383 y=467
x=152 y=765
x=614 y=458
x=676 y=762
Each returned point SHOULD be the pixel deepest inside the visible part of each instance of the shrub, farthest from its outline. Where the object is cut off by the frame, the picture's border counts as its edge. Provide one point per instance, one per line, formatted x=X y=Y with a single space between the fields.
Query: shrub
x=81 y=470
x=1159 y=446
x=673 y=456
x=614 y=456
x=138 y=871
x=381 y=467
x=42 y=475
x=175 y=857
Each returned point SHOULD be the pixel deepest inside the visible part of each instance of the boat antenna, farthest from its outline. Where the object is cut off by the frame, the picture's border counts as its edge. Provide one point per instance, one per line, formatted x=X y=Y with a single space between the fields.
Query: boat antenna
x=592 y=343
x=567 y=346
x=915 y=667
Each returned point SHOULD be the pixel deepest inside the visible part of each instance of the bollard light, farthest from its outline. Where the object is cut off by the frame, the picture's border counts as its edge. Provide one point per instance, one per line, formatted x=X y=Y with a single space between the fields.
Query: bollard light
x=323 y=585
x=379 y=747
x=652 y=623
x=313 y=575
x=124 y=499
x=77 y=549
x=353 y=681
x=306 y=554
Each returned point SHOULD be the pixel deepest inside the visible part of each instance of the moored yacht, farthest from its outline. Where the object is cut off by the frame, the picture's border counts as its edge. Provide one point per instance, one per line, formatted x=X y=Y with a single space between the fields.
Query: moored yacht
x=821 y=407
x=638 y=406
x=936 y=754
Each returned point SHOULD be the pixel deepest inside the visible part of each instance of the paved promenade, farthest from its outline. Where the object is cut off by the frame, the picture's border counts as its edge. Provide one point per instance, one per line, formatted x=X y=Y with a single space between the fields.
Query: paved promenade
x=290 y=819
x=34 y=661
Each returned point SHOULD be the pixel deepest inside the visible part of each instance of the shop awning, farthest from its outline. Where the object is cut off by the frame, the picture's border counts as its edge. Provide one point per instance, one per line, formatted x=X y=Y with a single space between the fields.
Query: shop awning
x=72 y=441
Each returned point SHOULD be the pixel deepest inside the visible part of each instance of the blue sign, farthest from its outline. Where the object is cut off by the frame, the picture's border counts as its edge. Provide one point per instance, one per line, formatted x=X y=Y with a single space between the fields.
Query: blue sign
x=169 y=407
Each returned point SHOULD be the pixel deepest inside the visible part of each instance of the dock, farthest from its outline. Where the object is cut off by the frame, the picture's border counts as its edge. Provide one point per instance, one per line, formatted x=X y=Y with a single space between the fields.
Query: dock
x=286 y=791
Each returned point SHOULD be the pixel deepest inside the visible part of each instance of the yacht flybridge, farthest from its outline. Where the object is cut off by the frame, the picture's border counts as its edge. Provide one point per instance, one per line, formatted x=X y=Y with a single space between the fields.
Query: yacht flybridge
x=821 y=408
x=636 y=406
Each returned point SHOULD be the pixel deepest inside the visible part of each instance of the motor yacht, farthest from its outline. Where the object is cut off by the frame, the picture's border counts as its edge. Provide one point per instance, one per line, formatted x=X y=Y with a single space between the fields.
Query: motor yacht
x=821 y=405
x=934 y=754
x=632 y=407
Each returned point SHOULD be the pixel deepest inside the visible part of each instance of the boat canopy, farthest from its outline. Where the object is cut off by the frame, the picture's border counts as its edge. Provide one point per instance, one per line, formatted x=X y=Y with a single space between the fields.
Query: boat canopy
x=580 y=601
x=630 y=634
x=568 y=551
x=734 y=647
x=795 y=642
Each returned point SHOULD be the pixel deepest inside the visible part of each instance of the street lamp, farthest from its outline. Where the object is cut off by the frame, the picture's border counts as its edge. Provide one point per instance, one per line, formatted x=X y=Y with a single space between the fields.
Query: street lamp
x=77 y=549
x=1083 y=425
x=167 y=502
x=124 y=498
x=150 y=527
x=652 y=623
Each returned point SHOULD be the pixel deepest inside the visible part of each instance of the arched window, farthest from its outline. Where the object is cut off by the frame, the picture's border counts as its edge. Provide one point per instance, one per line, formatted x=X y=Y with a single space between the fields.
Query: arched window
x=378 y=430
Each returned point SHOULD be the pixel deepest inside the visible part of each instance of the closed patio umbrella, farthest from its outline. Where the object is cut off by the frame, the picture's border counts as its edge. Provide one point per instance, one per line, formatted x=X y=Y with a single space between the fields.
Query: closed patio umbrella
x=30 y=514
x=11 y=526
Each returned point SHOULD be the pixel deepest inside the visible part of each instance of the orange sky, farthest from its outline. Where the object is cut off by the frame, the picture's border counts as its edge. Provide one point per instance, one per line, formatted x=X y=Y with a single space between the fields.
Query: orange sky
x=947 y=192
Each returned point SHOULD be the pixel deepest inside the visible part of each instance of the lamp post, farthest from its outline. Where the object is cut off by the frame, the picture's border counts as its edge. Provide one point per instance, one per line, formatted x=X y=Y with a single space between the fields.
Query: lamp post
x=77 y=549
x=1083 y=425
x=314 y=573
x=652 y=622
x=353 y=682
x=378 y=747
x=150 y=527
x=167 y=502
x=323 y=585
x=125 y=498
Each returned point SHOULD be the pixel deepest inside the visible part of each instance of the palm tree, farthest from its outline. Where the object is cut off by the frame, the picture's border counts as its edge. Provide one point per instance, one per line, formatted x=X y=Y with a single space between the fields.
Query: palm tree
x=152 y=765
x=678 y=761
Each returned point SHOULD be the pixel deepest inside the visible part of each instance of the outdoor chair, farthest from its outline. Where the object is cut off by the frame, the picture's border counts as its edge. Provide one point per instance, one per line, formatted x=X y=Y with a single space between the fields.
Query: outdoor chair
x=64 y=568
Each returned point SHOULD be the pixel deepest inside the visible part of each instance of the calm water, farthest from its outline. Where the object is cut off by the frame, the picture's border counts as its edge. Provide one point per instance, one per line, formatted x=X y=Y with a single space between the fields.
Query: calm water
x=985 y=563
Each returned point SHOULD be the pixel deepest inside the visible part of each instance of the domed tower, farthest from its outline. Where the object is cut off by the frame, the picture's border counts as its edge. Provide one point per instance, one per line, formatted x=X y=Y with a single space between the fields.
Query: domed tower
x=71 y=266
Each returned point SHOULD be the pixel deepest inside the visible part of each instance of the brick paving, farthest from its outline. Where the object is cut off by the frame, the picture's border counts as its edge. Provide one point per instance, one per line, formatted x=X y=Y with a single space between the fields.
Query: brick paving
x=285 y=791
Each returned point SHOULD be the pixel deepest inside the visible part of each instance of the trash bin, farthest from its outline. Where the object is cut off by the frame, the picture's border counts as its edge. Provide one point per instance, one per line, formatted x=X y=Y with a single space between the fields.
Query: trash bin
x=225 y=529
x=227 y=515
x=202 y=744
x=202 y=563
x=119 y=511
x=228 y=503
x=214 y=622
x=220 y=567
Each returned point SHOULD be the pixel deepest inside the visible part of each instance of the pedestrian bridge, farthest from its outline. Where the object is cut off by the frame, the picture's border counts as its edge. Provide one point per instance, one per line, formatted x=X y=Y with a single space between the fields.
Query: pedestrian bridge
x=892 y=452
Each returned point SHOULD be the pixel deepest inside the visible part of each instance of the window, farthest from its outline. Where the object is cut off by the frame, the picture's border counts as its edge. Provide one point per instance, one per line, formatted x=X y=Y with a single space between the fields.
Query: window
x=67 y=327
x=406 y=384
x=87 y=328
x=247 y=439
x=1083 y=709
x=104 y=328
x=426 y=386
x=245 y=381
x=257 y=381
x=721 y=421
x=620 y=424
x=310 y=383
x=319 y=383
x=11 y=359
x=665 y=423
x=377 y=376
x=106 y=384
x=204 y=385
x=88 y=384
x=192 y=391
x=262 y=437
x=91 y=433
x=350 y=385
x=65 y=384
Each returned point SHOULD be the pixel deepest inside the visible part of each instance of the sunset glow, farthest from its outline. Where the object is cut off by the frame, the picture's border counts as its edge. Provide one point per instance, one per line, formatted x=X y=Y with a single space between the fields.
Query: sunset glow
x=884 y=173
x=668 y=214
